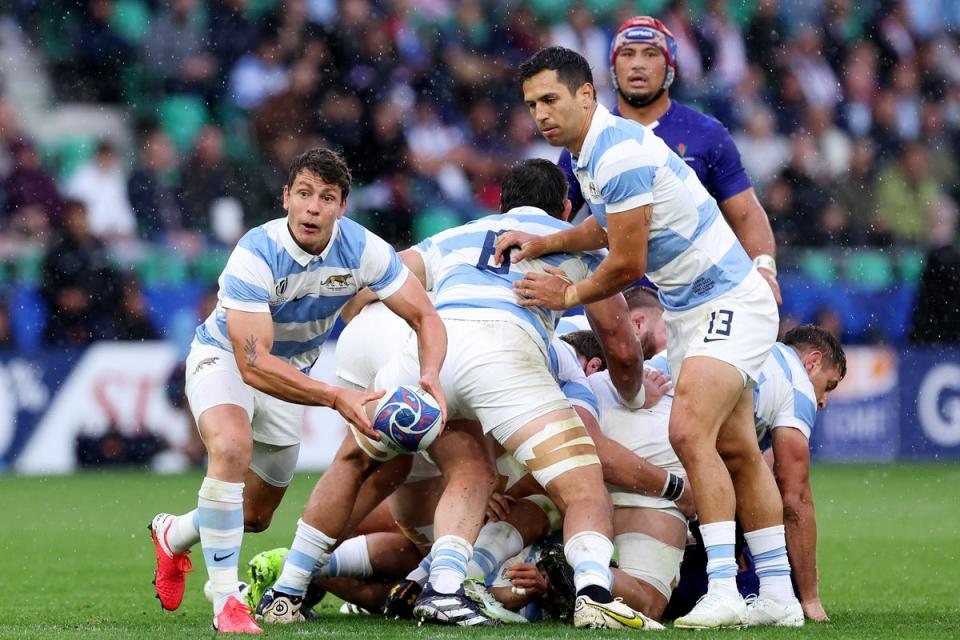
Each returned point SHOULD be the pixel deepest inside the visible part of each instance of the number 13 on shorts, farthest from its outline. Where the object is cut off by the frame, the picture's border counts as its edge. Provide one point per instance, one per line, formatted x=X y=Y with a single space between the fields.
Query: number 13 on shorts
x=720 y=325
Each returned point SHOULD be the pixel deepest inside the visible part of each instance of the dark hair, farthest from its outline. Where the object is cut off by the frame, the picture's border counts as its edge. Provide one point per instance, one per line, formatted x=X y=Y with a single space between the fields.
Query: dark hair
x=810 y=336
x=572 y=69
x=326 y=164
x=534 y=183
x=641 y=297
x=586 y=345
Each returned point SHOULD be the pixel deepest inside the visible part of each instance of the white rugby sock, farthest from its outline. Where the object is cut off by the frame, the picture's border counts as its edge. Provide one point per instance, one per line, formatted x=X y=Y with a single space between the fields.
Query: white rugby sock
x=496 y=542
x=449 y=567
x=422 y=572
x=220 y=521
x=589 y=553
x=351 y=559
x=719 y=539
x=310 y=550
x=769 y=549
x=184 y=532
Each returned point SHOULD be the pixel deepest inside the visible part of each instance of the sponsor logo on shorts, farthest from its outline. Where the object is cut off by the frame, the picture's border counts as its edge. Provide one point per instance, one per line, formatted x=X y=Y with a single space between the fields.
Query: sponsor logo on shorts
x=206 y=362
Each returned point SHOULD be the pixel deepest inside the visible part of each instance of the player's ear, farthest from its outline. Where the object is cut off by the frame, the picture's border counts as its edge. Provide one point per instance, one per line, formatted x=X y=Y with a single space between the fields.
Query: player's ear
x=813 y=360
x=567 y=210
x=343 y=207
x=286 y=198
x=593 y=366
x=588 y=95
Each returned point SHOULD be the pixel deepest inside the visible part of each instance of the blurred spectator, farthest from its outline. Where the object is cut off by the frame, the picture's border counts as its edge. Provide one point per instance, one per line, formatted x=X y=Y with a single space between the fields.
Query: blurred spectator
x=905 y=194
x=834 y=228
x=690 y=48
x=805 y=174
x=438 y=153
x=152 y=187
x=176 y=50
x=231 y=33
x=291 y=112
x=6 y=329
x=817 y=80
x=132 y=321
x=860 y=88
x=77 y=283
x=839 y=29
x=581 y=34
x=941 y=151
x=766 y=36
x=855 y=189
x=728 y=59
x=778 y=202
x=833 y=146
x=890 y=29
x=29 y=186
x=101 y=185
x=101 y=54
x=259 y=74
x=207 y=176
x=936 y=316
x=763 y=151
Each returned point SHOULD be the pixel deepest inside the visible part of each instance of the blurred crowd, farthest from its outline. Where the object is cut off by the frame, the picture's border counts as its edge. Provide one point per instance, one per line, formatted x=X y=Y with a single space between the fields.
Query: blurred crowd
x=846 y=114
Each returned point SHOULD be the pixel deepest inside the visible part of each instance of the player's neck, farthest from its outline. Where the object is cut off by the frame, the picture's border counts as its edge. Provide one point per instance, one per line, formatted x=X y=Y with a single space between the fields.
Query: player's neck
x=575 y=147
x=645 y=115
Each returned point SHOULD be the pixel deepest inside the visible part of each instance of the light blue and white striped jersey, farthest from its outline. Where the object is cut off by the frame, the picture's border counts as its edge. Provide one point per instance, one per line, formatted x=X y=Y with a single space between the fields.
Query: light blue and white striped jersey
x=468 y=285
x=692 y=256
x=784 y=395
x=568 y=372
x=268 y=272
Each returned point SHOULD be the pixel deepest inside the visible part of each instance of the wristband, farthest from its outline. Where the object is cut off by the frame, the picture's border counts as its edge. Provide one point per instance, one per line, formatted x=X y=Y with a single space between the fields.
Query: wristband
x=638 y=400
x=570 y=296
x=763 y=261
x=673 y=487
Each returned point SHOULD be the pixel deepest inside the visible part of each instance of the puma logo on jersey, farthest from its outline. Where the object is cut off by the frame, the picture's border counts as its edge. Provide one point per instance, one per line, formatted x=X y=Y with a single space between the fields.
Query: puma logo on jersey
x=206 y=362
x=338 y=282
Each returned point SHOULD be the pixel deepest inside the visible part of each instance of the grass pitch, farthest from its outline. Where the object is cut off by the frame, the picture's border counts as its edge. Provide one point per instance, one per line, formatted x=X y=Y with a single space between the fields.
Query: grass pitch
x=77 y=560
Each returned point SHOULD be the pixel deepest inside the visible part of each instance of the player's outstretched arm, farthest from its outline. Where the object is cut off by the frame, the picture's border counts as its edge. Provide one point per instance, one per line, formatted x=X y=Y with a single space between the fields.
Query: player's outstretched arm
x=411 y=303
x=791 y=466
x=750 y=224
x=252 y=337
x=610 y=321
x=586 y=236
x=624 y=468
x=627 y=235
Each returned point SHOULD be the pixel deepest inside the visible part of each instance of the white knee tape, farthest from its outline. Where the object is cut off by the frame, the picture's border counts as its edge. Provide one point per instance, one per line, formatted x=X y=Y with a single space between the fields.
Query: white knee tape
x=554 y=517
x=559 y=447
x=648 y=559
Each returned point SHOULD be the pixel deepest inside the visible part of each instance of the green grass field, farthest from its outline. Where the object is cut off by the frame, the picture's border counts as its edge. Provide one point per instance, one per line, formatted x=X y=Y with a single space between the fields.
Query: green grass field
x=77 y=560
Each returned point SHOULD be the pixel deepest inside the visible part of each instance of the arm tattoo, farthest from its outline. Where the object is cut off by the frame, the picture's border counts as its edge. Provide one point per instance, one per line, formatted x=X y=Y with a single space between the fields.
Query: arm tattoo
x=250 y=348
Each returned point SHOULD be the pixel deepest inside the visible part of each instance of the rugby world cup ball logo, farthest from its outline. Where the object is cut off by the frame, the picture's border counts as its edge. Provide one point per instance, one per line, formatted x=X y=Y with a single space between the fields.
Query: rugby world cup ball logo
x=409 y=419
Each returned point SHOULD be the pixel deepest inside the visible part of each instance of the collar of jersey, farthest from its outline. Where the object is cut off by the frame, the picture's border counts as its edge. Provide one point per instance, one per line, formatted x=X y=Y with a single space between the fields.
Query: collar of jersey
x=302 y=257
x=527 y=211
x=601 y=119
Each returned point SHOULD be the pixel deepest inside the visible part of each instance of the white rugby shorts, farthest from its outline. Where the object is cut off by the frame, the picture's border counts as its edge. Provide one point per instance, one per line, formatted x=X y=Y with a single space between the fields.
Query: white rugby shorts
x=739 y=327
x=494 y=372
x=213 y=378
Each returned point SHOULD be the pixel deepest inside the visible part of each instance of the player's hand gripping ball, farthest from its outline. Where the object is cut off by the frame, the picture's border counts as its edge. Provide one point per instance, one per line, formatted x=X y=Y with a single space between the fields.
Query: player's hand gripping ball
x=409 y=419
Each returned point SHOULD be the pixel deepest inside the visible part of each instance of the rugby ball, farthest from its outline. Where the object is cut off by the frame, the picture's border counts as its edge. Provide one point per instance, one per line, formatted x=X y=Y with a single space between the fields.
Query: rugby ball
x=409 y=419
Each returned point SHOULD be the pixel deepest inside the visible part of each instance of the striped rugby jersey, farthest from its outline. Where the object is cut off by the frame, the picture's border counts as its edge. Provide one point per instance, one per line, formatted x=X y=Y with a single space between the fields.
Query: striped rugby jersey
x=692 y=256
x=468 y=285
x=784 y=395
x=269 y=273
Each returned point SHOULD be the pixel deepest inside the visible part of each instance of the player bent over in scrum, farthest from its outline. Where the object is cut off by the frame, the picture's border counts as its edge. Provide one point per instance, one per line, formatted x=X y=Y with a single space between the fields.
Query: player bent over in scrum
x=280 y=294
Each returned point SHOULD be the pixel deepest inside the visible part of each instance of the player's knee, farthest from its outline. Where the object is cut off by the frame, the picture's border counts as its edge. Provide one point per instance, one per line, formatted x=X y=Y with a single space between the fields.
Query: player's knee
x=257 y=521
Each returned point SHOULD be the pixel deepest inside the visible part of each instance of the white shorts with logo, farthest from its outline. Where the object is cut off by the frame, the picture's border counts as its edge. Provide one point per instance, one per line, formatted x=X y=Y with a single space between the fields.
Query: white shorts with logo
x=213 y=378
x=739 y=327
x=494 y=372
